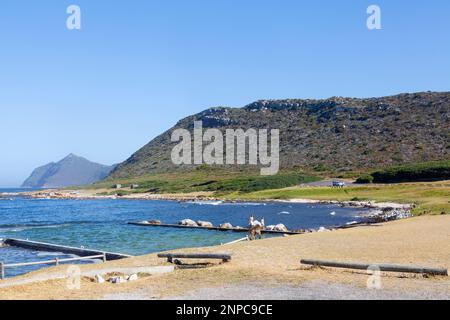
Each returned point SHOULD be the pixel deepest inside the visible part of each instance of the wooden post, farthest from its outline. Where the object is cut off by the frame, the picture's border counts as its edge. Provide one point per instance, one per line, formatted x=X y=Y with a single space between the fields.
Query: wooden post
x=381 y=267
x=104 y=256
x=2 y=271
x=171 y=256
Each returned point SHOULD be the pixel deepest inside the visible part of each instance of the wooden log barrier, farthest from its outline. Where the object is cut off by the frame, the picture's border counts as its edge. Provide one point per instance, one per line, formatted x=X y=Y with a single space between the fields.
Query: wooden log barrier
x=376 y=266
x=171 y=256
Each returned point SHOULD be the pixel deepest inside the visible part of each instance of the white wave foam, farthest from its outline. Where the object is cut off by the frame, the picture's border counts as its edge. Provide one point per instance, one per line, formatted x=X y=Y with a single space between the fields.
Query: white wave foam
x=49 y=254
x=211 y=203
x=223 y=203
x=23 y=228
x=244 y=204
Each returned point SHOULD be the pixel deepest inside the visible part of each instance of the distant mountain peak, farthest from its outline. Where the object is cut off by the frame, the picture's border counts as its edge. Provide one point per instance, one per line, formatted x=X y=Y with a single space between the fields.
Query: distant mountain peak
x=72 y=170
x=71 y=156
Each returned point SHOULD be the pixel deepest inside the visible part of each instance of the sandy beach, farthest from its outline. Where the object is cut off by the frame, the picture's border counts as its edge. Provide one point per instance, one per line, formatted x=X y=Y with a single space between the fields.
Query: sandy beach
x=270 y=268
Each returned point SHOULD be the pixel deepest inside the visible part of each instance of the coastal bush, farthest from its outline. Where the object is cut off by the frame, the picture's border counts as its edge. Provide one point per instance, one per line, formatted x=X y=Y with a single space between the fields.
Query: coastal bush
x=358 y=199
x=364 y=179
x=427 y=171
x=321 y=168
x=257 y=183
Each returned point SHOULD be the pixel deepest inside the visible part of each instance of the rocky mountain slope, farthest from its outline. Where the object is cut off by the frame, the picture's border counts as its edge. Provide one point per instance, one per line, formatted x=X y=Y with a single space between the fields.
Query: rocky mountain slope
x=70 y=171
x=340 y=134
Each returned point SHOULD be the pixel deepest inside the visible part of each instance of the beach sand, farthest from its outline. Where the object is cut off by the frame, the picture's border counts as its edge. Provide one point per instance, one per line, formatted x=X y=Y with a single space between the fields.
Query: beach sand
x=270 y=268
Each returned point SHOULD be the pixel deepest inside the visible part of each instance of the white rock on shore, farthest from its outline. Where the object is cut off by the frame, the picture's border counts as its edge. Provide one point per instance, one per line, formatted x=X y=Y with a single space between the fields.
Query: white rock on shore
x=132 y=277
x=188 y=222
x=99 y=278
x=205 y=224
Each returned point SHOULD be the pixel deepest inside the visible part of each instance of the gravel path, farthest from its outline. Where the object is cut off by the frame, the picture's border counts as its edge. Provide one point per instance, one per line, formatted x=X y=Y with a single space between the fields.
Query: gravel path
x=326 y=183
x=312 y=290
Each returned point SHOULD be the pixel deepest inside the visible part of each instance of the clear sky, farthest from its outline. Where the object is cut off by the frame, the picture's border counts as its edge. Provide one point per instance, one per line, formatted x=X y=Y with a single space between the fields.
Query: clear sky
x=136 y=67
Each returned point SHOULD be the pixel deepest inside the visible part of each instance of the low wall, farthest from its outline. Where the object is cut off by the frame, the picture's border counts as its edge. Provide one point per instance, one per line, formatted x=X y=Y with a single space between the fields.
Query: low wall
x=41 y=246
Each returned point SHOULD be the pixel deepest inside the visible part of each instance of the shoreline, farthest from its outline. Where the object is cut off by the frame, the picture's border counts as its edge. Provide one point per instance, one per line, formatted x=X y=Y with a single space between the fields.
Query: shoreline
x=272 y=264
x=255 y=261
x=195 y=196
x=377 y=211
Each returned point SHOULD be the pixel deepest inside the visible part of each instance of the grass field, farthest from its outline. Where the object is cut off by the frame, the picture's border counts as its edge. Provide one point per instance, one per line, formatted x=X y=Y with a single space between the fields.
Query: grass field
x=209 y=180
x=429 y=198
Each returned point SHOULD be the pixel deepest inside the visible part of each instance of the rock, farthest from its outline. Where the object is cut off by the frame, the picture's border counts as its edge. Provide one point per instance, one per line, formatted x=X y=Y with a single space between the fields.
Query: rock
x=177 y=262
x=280 y=227
x=132 y=277
x=99 y=279
x=117 y=280
x=270 y=228
x=154 y=222
x=388 y=215
x=205 y=224
x=188 y=222
x=226 y=225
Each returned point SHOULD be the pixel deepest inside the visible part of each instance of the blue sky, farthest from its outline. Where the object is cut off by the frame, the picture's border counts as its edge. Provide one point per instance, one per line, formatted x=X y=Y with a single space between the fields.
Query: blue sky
x=136 y=67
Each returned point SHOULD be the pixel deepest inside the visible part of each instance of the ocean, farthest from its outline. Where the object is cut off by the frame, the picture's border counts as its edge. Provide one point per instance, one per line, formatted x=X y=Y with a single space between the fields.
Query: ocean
x=102 y=224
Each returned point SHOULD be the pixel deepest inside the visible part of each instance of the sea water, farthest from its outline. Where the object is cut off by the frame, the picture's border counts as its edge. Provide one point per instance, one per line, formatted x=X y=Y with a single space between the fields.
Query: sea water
x=102 y=224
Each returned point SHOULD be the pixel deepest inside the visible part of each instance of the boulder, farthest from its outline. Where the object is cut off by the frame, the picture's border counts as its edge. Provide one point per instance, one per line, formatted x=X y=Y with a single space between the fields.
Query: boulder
x=117 y=280
x=281 y=227
x=99 y=278
x=188 y=222
x=132 y=277
x=226 y=225
x=205 y=224
x=270 y=228
x=322 y=229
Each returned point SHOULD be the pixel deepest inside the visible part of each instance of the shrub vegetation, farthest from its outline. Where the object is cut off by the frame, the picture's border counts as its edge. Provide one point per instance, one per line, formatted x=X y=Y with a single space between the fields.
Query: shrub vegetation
x=427 y=171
